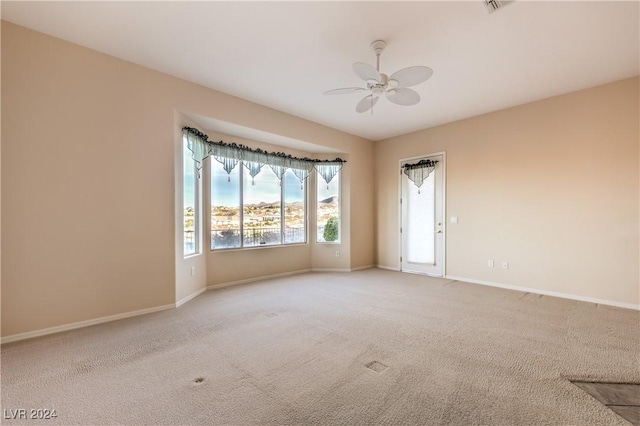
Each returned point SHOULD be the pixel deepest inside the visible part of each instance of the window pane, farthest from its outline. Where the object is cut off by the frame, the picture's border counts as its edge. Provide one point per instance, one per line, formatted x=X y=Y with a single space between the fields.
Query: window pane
x=328 y=211
x=261 y=221
x=294 y=214
x=189 y=201
x=225 y=206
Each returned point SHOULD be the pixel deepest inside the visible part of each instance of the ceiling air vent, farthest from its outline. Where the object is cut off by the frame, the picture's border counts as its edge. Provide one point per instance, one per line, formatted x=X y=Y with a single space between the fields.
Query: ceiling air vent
x=494 y=5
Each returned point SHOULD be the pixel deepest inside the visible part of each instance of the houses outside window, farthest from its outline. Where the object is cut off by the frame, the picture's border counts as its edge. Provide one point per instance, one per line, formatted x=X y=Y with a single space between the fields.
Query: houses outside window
x=258 y=210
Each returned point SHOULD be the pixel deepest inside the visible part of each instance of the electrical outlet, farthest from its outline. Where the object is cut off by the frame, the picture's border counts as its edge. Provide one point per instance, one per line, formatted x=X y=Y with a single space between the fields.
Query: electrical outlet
x=505 y=264
x=490 y=263
x=337 y=253
x=193 y=271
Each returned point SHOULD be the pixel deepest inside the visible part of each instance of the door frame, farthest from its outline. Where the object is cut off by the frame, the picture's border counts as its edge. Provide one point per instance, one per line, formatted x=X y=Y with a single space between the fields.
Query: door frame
x=444 y=208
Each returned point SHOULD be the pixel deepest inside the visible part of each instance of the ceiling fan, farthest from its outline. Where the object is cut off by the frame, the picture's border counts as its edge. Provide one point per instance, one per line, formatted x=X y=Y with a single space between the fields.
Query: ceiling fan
x=394 y=87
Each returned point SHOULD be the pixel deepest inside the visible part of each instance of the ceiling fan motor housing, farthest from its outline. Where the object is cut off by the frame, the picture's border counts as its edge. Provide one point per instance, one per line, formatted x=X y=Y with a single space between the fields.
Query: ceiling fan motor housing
x=378 y=86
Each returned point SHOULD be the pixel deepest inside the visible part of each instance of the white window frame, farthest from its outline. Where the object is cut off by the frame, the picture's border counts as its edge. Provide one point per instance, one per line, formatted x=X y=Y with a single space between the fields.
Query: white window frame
x=197 y=234
x=240 y=170
x=320 y=181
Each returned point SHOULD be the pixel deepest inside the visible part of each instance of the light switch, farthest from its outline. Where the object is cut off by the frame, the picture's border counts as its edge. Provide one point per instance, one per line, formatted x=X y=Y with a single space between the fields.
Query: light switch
x=454 y=219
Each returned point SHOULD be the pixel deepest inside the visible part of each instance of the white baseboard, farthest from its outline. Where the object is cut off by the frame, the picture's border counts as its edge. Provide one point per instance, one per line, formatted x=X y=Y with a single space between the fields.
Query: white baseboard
x=330 y=270
x=80 y=324
x=547 y=293
x=101 y=320
x=191 y=296
x=388 y=268
x=261 y=278
x=360 y=268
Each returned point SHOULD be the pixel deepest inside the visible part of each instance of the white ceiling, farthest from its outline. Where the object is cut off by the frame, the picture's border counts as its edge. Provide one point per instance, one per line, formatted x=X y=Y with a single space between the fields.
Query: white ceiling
x=286 y=54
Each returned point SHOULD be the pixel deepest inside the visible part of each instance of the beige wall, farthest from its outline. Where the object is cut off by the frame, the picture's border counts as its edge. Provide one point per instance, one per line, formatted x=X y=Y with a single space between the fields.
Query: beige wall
x=89 y=184
x=551 y=186
x=362 y=233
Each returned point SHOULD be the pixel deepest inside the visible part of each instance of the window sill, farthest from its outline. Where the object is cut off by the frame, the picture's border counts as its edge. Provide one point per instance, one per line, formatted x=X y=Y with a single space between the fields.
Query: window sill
x=262 y=247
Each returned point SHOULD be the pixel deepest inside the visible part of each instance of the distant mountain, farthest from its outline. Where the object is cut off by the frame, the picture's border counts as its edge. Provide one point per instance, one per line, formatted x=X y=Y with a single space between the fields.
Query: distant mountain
x=263 y=205
x=331 y=200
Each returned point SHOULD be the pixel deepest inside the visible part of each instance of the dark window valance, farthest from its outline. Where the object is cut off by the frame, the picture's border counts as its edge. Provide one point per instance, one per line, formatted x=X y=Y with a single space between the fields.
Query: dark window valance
x=418 y=172
x=230 y=154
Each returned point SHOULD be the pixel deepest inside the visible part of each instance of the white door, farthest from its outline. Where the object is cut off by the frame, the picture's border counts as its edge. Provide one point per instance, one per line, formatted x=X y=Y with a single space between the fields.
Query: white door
x=422 y=219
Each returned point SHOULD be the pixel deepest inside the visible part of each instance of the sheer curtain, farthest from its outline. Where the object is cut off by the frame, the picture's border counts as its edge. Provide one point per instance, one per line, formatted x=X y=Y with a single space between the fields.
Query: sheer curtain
x=418 y=172
x=328 y=170
x=420 y=227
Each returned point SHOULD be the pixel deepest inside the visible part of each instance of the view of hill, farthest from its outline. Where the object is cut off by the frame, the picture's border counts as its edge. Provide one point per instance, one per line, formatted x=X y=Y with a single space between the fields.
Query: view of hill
x=262 y=218
x=331 y=200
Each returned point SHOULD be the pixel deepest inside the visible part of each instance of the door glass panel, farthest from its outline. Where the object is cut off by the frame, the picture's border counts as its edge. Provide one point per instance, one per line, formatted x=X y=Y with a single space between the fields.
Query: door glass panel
x=422 y=214
x=420 y=230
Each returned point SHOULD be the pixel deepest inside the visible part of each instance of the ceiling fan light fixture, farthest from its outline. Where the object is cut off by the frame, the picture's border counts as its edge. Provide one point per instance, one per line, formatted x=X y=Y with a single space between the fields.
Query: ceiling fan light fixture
x=394 y=87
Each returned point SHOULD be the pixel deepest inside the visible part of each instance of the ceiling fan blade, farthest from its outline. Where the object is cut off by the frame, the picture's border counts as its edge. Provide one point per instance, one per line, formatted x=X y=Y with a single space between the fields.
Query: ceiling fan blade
x=402 y=96
x=367 y=103
x=366 y=71
x=344 y=90
x=410 y=76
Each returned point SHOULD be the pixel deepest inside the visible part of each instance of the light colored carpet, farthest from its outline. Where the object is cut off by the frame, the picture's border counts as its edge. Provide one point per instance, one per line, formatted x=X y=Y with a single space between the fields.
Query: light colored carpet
x=294 y=351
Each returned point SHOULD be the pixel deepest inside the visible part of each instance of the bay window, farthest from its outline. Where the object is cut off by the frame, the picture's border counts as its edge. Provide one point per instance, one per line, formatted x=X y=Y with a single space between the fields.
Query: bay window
x=258 y=198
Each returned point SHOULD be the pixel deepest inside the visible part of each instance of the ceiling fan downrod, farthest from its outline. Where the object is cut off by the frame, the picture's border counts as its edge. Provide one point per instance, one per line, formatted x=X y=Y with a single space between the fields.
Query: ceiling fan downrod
x=378 y=46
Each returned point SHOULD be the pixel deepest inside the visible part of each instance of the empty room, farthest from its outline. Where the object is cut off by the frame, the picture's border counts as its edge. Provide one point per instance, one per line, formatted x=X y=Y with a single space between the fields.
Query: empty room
x=320 y=213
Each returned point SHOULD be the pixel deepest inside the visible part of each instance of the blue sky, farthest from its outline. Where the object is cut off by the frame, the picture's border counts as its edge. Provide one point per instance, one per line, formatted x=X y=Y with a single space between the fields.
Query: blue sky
x=266 y=188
